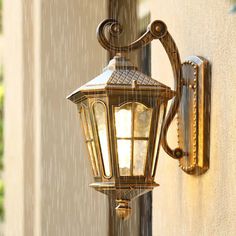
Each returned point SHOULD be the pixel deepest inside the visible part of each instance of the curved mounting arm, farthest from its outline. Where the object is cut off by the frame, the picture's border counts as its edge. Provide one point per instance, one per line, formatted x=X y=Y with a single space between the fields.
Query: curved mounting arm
x=156 y=30
x=173 y=54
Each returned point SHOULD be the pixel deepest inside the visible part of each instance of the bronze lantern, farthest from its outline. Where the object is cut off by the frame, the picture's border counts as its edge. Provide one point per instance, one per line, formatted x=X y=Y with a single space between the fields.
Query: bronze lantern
x=123 y=115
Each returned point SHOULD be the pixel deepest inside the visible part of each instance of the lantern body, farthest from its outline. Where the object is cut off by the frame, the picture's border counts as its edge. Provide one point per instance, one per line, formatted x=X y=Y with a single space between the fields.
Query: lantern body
x=122 y=112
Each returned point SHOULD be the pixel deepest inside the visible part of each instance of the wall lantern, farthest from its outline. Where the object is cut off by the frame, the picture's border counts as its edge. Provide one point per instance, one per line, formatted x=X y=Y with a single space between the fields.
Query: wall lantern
x=123 y=114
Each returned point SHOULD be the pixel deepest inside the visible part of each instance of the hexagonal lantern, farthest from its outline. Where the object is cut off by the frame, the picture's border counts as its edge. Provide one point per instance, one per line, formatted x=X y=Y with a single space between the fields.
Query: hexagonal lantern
x=123 y=117
x=122 y=112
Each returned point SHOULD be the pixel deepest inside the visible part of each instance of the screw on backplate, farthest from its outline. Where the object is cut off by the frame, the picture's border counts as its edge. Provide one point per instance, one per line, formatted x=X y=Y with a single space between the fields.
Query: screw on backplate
x=178 y=153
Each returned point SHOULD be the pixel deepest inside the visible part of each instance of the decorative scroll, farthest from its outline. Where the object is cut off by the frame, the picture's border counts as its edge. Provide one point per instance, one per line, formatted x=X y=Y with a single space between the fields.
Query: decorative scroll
x=155 y=30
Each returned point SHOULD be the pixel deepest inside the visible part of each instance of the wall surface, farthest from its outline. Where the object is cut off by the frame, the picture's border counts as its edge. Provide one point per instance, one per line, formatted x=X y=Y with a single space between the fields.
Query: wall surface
x=13 y=127
x=205 y=205
x=49 y=52
x=70 y=56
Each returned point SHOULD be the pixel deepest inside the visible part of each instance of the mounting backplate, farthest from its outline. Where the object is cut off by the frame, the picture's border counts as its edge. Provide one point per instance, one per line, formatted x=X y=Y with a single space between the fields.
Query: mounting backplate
x=194 y=116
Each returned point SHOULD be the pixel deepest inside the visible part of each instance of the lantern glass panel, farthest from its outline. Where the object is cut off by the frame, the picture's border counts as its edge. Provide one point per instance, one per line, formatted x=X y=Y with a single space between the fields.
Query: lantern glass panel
x=86 y=123
x=100 y=113
x=142 y=120
x=124 y=154
x=140 y=153
x=123 y=117
x=158 y=136
x=132 y=122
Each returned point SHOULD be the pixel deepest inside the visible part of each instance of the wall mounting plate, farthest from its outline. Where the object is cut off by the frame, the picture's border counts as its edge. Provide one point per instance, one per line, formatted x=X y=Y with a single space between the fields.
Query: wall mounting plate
x=194 y=116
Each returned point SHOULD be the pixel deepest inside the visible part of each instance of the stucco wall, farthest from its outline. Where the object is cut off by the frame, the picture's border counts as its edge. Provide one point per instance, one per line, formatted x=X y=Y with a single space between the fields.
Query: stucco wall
x=49 y=51
x=13 y=127
x=205 y=205
x=68 y=205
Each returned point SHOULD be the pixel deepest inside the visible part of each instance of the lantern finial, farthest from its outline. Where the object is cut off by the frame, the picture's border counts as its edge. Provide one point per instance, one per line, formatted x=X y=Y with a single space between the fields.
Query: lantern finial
x=123 y=210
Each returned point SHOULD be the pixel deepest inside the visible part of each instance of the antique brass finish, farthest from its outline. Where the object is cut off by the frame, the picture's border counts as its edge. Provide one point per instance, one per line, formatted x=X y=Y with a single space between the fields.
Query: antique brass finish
x=114 y=90
x=123 y=210
x=156 y=30
x=194 y=116
x=123 y=117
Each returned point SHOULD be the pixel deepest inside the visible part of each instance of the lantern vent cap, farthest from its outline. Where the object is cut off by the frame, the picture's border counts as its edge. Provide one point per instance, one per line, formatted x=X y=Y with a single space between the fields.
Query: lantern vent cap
x=120 y=63
x=120 y=74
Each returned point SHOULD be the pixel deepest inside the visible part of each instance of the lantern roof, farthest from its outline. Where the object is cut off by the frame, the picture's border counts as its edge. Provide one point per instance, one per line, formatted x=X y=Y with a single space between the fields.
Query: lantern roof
x=120 y=74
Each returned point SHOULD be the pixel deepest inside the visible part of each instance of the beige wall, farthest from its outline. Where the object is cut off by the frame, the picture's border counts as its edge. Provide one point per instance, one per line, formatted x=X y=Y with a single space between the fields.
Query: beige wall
x=205 y=205
x=50 y=50
x=70 y=56
x=13 y=130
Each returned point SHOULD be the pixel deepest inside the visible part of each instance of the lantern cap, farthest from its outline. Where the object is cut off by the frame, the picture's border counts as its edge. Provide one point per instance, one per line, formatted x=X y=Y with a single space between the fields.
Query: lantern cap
x=121 y=75
x=120 y=62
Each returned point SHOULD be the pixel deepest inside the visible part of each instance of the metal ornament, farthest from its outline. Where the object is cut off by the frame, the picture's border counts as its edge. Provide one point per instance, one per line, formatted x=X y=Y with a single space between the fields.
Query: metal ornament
x=194 y=116
x=123 y=117
x=156 y=30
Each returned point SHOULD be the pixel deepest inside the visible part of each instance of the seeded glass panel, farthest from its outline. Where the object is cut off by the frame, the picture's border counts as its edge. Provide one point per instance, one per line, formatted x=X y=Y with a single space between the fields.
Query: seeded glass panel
x=86 y=123
x=140 y=156
x=123 y=120
x=158 y=133
x=101 y=121
x=142 y=120
x=124 y=153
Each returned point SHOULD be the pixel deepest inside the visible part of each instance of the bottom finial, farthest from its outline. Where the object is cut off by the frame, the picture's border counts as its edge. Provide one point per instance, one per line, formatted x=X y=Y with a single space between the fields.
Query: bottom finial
x=123 y=210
